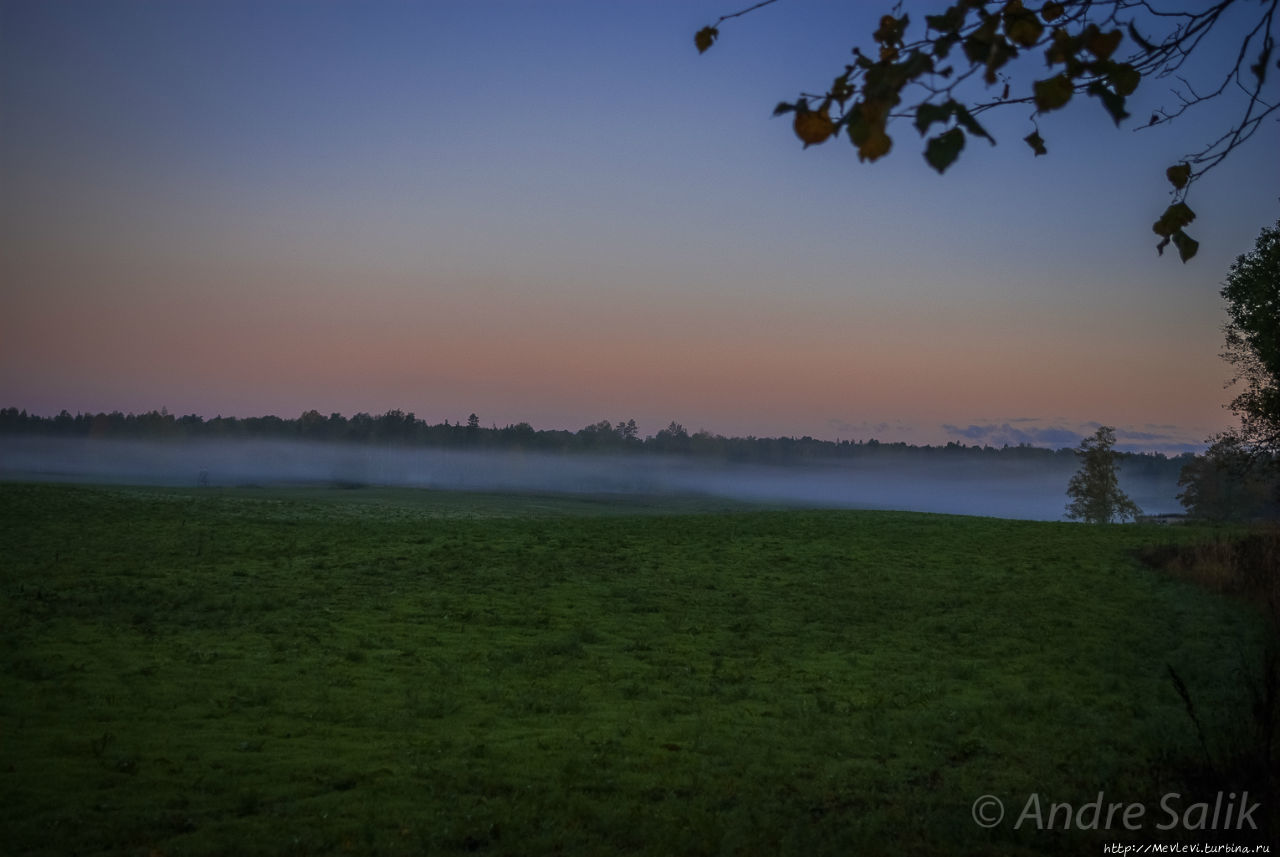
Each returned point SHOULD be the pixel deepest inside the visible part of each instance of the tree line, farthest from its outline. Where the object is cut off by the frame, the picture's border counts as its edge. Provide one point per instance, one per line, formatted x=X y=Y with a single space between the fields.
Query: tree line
x=1214 y=487
x=397 y=427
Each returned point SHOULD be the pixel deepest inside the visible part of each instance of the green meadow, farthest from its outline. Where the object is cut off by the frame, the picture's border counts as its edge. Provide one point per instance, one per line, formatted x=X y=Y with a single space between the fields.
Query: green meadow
x=314 y=671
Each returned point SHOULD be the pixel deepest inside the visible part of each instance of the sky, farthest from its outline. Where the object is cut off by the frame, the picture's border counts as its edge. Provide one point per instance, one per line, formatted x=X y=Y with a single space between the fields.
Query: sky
x=558 y=212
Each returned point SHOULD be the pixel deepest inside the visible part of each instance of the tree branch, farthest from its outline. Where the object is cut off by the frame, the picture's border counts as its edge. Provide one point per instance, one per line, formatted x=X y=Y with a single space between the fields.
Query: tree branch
x=759 y=5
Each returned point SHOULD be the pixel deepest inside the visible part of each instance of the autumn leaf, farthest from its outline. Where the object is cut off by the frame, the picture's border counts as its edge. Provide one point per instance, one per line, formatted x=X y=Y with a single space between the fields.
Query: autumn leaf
x=1052 y=11
x=1022 y=27
x=866 y=125
x=1036 y=142
x=1174 y=218
x=1179 y=175
x=841 y=89
x=1052 y=93
x=813 y=126
x=1062 y=49
x=1187 y=246
x=891 y=30
x=1102 y=45
x=705 y=38
x=875 y=145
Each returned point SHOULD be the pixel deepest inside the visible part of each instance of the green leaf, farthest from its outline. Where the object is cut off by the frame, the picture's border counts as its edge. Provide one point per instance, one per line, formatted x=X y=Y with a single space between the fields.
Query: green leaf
x=1187 y=246
x=1179 y=175
x=705 y=38
x=1113 y=102
x=1000 y=53
x=1102 y=45
x=1146 y=46
x=1052 y=11
x=927 y=114
x=916 y=64
x=875 y=145
x=865 y=125
x=1023 y=28
x=943 y=45
x=965 y=118
x=891 y=30
x=1125 y=78
x=1062 y=49
x=977 y=47
x=943 y=149
x=841 y=90
x=1053 y=93
x=949 y=22
x=1174 y=218
x=1259 y=68
x=1036 y=143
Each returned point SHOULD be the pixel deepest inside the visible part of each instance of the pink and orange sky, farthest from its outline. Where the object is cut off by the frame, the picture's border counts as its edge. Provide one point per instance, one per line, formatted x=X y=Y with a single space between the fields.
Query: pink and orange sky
x=559 y=213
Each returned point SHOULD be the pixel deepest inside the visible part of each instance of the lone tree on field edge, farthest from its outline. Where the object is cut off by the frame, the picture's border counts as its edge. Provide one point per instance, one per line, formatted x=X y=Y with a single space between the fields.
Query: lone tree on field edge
x=1095 y=492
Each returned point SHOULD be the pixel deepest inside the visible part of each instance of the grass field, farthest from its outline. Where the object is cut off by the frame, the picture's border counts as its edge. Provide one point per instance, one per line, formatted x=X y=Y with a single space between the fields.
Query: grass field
x=321 y=671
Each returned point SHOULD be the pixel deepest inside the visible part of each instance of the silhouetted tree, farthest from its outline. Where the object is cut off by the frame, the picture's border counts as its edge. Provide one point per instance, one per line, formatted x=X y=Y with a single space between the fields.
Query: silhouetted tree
x=599 y=434
x=1252 y=292
x=1094 y=490
x=1239 y=476
x=1103 y=49
x=673 y=438
x=1227 y=483
x=312 y=425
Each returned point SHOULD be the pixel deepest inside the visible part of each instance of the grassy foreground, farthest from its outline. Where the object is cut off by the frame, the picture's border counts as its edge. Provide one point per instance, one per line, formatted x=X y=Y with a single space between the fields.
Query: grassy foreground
x=205 y=672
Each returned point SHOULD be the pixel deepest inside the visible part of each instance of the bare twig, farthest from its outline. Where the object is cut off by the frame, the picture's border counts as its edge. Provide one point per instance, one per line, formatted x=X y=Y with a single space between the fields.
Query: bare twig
x=739 y=14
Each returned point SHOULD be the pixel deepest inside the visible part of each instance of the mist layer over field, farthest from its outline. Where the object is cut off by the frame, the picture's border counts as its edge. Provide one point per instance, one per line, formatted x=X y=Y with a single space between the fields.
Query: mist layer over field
x=1005 y=489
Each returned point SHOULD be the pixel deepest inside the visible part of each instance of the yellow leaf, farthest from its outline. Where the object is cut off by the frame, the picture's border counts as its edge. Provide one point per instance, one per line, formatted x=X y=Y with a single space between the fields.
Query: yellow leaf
x=813 y=126
x=876 y=145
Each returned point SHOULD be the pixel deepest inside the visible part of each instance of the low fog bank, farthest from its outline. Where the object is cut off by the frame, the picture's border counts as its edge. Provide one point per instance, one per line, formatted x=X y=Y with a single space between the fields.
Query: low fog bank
x=1005 y=489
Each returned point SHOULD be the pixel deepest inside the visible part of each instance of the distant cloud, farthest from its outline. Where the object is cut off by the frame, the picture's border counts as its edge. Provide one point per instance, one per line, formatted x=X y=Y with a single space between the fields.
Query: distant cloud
x=1129 y=434
x=866 y=429
x=1006 y=433
x=1060 y=434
